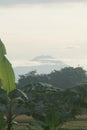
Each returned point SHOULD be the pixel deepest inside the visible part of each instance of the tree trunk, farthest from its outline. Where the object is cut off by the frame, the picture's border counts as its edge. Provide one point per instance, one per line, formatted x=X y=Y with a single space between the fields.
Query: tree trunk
x=46 y=128
x=9 y=120
x=9 y=126
x=9 y=116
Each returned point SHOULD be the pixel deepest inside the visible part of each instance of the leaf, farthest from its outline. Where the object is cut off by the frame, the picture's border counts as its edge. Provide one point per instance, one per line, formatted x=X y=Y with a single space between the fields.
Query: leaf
x=3 y=97
x=23 y=94
x=2 y=50
x=2 y=122
x=6 y=71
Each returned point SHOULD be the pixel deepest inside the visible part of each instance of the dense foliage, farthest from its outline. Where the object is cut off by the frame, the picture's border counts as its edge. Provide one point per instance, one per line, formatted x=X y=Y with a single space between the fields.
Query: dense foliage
x=55 y=106
x=65 y=78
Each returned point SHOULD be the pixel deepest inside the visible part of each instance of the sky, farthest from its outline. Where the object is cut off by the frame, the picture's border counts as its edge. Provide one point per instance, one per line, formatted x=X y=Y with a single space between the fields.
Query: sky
x=44 y=27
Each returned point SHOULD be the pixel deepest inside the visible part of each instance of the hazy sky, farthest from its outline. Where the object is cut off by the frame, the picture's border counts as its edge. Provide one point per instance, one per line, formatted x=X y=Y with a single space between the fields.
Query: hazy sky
x=59 y=29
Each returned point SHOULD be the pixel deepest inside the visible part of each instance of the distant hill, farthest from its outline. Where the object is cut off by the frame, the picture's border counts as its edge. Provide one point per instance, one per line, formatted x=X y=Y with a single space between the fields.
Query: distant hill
x=45 y=64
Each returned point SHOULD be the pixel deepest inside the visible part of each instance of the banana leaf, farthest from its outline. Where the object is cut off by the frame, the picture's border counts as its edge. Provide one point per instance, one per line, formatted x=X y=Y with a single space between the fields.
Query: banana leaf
x=6 y=71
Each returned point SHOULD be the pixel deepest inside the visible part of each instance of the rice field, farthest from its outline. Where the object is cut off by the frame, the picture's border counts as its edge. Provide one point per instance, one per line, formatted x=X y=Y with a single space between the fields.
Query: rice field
x=79 y=124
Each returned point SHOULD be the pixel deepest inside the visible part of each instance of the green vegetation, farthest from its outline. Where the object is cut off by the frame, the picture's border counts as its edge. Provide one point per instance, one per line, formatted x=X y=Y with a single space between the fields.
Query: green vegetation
x=6 y=72
x=65 y=78
x=40 y=99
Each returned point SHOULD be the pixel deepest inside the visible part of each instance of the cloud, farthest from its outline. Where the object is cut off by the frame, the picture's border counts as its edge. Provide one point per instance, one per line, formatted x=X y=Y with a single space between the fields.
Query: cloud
x=15 y=2
x=16 y=63
x=70 y=47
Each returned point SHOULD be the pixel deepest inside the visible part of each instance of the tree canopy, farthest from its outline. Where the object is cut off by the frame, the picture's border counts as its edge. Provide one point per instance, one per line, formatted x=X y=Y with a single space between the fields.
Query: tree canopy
x=65 y=78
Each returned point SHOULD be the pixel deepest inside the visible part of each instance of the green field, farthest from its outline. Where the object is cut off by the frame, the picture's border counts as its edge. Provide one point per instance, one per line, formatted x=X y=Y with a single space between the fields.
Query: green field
x=23 y=123
x=79 y=124
x=75 y=125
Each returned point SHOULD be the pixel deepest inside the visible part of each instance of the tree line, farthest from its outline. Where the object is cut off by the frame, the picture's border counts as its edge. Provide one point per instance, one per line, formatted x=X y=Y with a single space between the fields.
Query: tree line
x=65 y=78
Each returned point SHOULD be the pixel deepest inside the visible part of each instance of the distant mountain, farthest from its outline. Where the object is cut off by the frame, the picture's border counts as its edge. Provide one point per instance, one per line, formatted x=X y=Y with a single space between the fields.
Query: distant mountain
x=45 y=64
x=46 y=60
x=42 y=58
